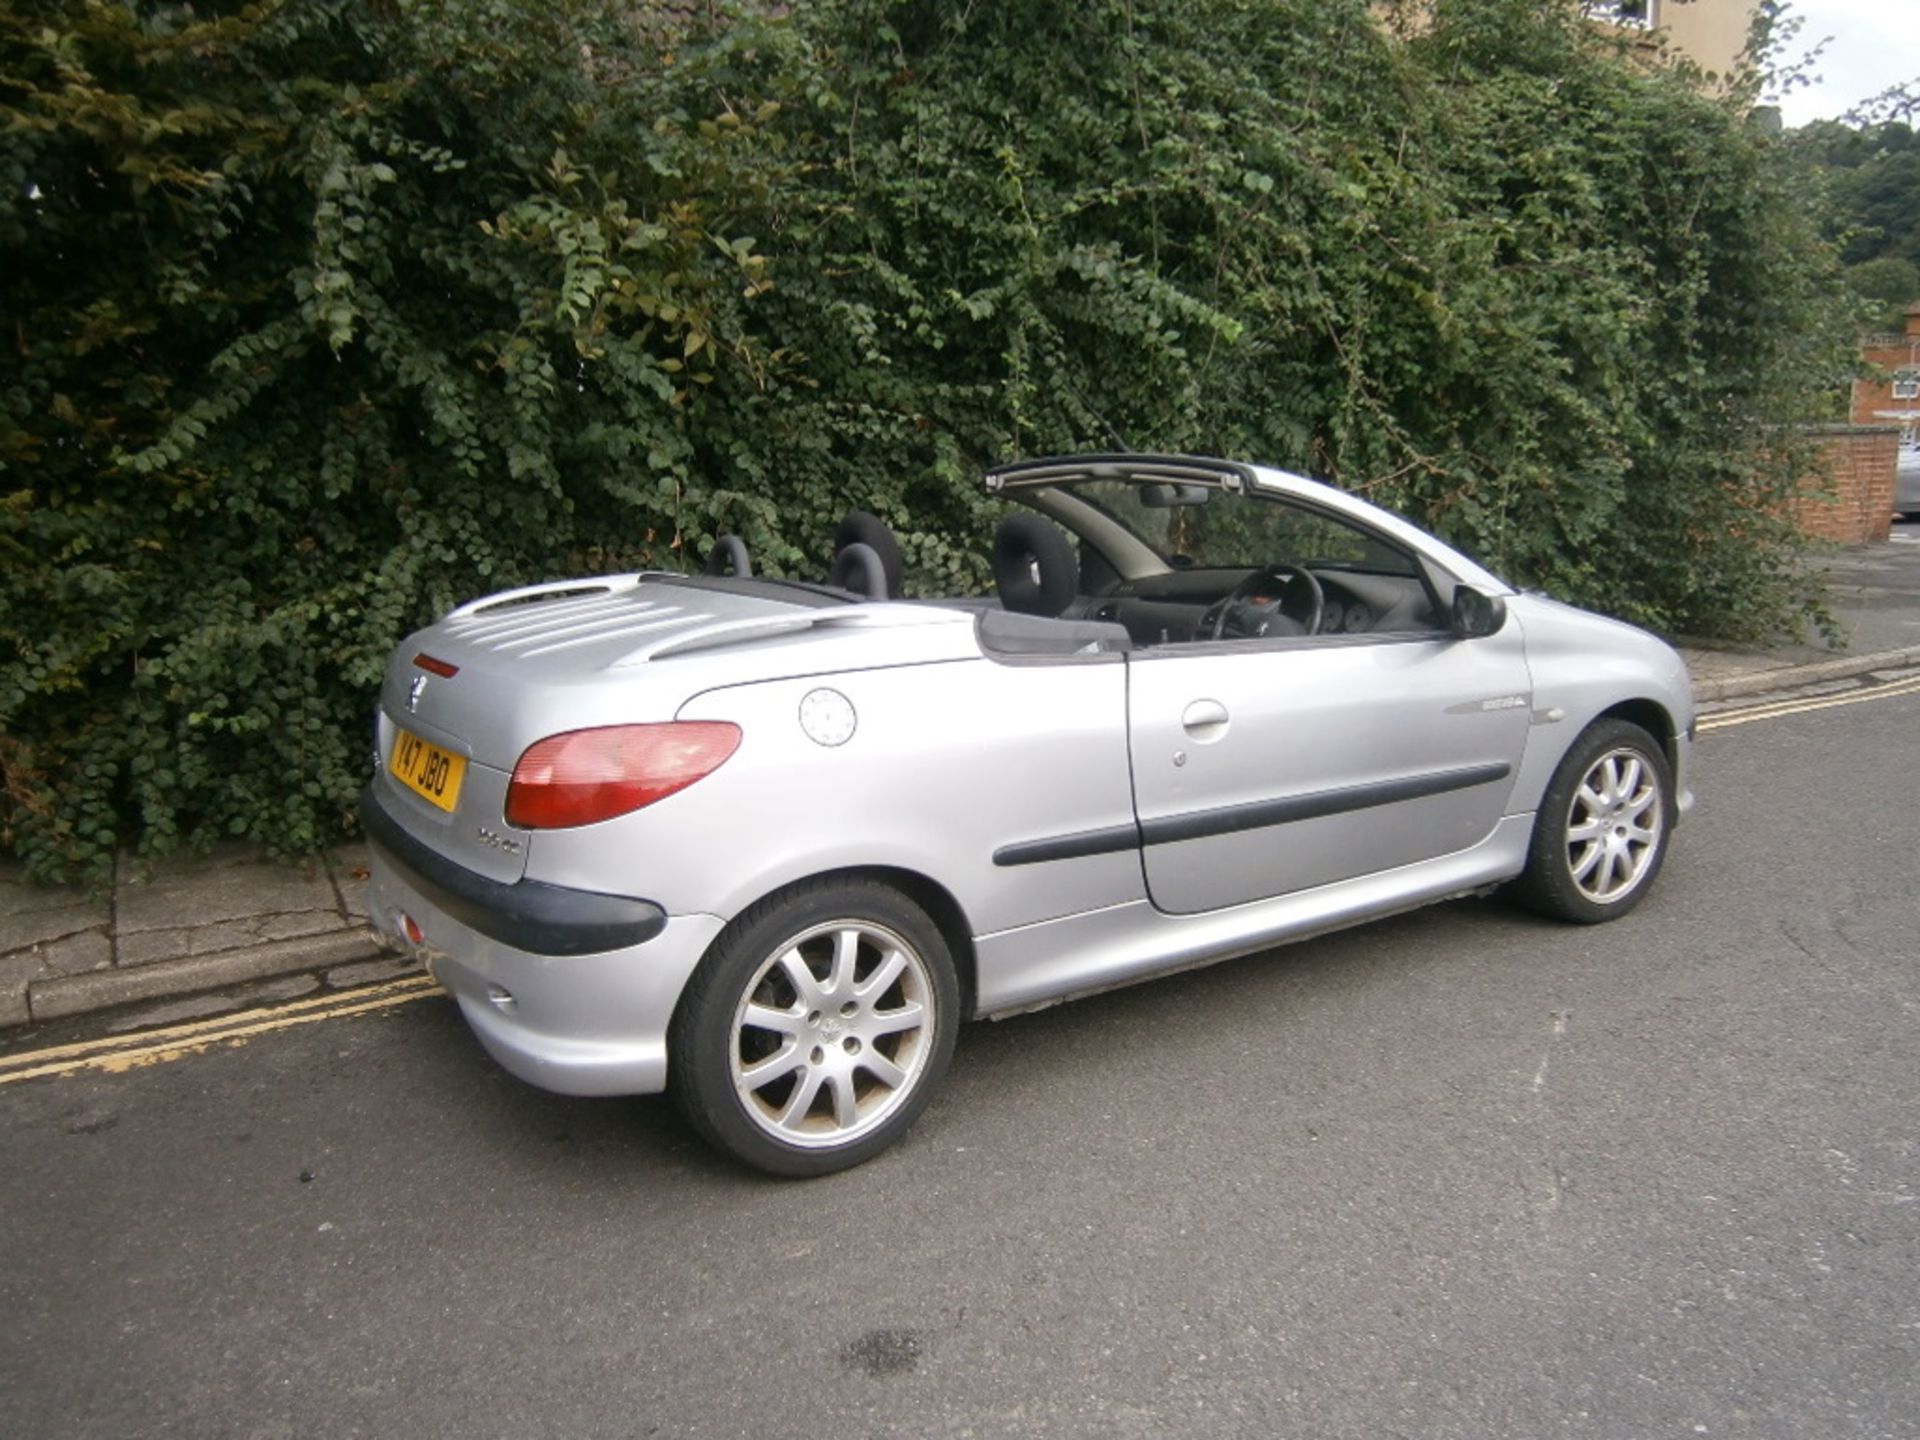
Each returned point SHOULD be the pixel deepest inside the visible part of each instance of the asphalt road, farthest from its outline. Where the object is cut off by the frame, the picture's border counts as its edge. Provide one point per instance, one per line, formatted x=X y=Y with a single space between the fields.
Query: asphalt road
x=1460 y=1174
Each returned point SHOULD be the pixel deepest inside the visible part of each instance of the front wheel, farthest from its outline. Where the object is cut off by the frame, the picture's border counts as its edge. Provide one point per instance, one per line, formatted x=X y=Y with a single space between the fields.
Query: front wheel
x=1601 y=834
x=817 y=1028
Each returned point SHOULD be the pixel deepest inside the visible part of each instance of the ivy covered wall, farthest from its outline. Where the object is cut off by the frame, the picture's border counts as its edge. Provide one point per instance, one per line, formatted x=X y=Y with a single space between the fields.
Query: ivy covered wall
x=323 y=315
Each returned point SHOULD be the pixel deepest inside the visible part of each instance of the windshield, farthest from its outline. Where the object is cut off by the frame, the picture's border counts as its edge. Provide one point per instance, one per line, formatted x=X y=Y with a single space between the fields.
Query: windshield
x=1207 y=527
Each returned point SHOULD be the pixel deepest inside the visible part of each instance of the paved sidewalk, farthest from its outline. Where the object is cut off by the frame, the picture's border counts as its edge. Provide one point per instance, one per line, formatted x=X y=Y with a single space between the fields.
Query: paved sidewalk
x=184 y=926
x=187 y=937
x=1875 y=594
x=1721 y=678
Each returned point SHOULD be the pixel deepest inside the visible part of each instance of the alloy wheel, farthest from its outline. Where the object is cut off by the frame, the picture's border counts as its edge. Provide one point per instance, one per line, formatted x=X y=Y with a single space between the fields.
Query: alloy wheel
x=833 y=1033
x=1614 y=828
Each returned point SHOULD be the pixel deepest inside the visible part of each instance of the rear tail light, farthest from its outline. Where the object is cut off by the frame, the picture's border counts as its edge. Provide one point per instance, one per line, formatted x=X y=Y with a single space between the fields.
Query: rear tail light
x=588 y=775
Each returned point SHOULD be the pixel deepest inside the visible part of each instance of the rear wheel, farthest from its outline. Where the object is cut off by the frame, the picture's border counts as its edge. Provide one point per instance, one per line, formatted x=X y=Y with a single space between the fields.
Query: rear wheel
x=817 y=1028
x=1601 y=834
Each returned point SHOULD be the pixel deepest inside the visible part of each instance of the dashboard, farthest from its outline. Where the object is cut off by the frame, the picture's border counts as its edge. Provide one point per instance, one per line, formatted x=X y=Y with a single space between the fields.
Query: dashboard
x=1173 y=608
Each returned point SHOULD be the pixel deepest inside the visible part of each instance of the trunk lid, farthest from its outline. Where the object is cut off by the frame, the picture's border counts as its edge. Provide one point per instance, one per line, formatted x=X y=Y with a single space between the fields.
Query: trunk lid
x=490 y=678
x=487 y=679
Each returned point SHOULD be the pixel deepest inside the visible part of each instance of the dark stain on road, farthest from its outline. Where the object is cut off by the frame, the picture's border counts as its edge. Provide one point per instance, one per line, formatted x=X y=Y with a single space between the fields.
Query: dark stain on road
x=883 y=1353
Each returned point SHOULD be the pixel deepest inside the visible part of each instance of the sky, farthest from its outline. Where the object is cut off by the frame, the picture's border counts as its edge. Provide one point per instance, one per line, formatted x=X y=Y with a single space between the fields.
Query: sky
x=1875 y=44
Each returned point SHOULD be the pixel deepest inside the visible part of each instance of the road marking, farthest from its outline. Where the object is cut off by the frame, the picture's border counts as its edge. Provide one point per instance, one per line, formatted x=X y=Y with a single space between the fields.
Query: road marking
x=221 y=1022
x=114 y=1054
x=1779 y=708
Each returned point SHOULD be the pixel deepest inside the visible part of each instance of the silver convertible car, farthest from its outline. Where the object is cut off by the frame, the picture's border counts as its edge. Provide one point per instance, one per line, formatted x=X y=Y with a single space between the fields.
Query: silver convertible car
x=764 y=844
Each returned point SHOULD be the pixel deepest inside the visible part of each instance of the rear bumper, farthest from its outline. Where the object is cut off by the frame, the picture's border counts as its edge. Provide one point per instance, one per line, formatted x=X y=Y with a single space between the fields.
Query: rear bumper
x=574 y=1023
x=526 y=914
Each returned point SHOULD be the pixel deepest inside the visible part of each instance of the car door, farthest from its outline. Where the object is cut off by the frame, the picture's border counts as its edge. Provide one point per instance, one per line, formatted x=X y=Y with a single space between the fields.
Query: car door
x=1262 y=768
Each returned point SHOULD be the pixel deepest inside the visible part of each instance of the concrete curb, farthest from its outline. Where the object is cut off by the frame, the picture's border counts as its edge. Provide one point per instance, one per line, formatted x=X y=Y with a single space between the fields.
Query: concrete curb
x=67 y=995
x=1786 y=677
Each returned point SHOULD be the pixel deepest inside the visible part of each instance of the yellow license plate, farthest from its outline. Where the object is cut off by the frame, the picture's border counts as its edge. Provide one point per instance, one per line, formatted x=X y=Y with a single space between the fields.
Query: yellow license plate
x=427 y=770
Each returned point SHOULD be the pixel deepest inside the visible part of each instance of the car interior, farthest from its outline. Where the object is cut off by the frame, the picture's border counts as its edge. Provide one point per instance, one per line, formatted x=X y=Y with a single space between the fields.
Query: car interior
x=1099 y=566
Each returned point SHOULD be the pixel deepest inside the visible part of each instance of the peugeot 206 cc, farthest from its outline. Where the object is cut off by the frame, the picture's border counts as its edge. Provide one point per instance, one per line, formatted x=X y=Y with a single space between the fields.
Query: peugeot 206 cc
x=765 y=844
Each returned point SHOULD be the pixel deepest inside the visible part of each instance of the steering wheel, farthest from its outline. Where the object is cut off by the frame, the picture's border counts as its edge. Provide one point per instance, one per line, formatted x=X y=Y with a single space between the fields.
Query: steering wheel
x=1271 y=593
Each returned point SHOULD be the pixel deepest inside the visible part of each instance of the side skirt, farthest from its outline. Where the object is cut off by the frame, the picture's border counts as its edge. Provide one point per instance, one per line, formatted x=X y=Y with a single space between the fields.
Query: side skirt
x=1035 y=966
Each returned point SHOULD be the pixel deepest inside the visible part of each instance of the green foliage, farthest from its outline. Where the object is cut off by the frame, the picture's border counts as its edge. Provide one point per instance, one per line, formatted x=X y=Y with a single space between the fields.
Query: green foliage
x=1868 y=168
x=1889 y=285
x=1544 y=298
x=325 y=314
x=1873 y=171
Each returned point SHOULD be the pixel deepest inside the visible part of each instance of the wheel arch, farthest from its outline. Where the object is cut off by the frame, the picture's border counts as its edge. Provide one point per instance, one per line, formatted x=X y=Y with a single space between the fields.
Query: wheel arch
x=1652 y=717
x=929 y=894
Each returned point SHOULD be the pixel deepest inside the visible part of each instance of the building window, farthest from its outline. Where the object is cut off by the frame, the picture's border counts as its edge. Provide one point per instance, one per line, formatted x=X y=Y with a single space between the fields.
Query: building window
x=1906 y=384
x=1637 y=13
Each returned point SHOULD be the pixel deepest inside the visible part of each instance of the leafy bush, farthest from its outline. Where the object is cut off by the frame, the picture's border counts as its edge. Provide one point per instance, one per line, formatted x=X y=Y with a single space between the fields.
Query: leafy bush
x=323 y=316
x=327 y=314
x=1540 y=297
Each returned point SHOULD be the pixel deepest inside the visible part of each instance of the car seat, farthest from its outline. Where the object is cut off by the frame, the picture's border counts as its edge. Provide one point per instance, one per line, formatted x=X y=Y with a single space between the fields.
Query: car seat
x=1035 y=568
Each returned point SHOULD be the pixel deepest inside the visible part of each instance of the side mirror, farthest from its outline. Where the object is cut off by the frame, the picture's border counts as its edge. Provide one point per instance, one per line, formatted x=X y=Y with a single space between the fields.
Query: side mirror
x=1476 y=615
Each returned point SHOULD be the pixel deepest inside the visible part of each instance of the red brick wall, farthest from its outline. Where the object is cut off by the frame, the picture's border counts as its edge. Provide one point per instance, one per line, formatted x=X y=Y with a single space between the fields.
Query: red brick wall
x=1857 y=462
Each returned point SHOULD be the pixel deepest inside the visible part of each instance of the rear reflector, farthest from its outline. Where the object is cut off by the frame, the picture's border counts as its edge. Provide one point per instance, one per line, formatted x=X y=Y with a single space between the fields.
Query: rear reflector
x=584 y=776
x=437 y=667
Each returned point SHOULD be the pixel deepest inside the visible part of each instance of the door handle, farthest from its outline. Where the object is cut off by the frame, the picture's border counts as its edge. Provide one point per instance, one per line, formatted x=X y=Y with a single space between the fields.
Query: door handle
x=1205 y=721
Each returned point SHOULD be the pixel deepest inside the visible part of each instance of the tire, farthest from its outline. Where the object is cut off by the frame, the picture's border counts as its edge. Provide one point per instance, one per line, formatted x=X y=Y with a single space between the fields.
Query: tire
x=816 y=1029
x=1601 y=834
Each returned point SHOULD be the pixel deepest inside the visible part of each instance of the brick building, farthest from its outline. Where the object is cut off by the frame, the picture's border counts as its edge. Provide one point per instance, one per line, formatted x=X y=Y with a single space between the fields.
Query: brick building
x=1891 y=395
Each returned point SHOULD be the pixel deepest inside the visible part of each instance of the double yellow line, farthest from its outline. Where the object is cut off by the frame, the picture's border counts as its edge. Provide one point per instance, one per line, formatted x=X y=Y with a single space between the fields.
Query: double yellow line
x=1781 y=708
x=117 y=1053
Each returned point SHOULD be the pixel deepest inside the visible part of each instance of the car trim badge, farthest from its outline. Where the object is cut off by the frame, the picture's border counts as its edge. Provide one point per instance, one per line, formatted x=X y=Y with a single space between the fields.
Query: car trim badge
x=414 y=692
x=1487 y=707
